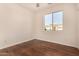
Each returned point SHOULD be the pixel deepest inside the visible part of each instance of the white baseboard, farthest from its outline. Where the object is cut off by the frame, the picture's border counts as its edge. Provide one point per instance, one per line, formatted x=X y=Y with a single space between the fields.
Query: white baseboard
x=6 y=46
x=59 y=43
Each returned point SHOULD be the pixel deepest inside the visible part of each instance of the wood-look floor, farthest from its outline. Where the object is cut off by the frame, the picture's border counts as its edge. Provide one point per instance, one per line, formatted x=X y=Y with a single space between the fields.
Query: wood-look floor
x=39 y=48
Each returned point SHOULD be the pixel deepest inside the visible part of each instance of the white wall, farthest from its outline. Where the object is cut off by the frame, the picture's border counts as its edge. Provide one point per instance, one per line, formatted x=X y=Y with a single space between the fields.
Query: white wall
x=15 y=24
x=78 y=29
x=77 y=24
x=18 y=24
x=68 y=35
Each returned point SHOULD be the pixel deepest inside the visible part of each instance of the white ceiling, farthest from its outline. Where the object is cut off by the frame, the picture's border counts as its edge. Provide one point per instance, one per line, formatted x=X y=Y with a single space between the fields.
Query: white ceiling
x=32 y=6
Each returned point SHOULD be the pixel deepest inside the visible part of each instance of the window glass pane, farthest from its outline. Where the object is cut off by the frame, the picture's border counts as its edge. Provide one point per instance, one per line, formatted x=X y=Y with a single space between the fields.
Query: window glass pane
x=58 y=21
x=48 y=22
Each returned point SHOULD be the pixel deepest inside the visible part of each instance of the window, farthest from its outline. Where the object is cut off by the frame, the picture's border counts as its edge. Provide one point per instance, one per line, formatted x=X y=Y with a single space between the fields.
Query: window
x=48 y=22
x=58 y=21
x=54 y=21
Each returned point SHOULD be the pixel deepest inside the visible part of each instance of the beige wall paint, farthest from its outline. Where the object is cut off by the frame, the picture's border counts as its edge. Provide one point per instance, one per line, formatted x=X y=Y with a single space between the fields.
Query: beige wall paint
x=15 y=24
x=68 y=35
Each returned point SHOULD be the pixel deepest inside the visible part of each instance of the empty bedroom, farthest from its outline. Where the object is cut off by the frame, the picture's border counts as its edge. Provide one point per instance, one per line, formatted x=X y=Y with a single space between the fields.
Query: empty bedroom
x=39 y=29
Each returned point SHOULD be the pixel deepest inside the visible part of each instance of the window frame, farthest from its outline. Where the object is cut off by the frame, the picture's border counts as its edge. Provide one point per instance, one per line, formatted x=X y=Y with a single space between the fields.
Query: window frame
x=53 y=20
x=62 y=20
